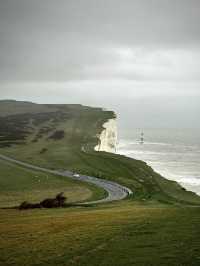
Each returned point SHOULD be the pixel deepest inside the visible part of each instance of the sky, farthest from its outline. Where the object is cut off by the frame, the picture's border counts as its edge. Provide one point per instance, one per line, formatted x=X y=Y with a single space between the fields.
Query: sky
x=140 y=58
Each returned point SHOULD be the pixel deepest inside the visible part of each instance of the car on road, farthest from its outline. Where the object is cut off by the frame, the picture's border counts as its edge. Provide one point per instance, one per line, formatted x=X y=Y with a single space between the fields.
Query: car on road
x=76 y=175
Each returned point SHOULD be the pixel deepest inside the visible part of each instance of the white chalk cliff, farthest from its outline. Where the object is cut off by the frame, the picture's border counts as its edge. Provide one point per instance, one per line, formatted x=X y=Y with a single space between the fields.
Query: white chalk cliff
x=108 y=137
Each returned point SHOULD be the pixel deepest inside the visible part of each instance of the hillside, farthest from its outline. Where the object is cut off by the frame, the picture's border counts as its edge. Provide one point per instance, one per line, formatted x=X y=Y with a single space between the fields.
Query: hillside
x=18 y=184
x=117 y=234
x=36 y=129
x=36 y=124
x=64 y=137
x=157 y=225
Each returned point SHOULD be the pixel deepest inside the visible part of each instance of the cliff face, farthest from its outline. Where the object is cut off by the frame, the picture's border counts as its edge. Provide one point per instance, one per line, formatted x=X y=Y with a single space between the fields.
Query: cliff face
x=108 y=137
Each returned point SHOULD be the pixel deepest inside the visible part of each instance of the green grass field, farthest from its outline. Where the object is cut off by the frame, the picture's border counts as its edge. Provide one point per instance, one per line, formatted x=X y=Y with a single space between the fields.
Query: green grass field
x=117 y=234
x=19 y=184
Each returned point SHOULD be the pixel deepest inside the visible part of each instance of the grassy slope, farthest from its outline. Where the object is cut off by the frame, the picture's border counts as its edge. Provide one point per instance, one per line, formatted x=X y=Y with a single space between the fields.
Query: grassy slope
x=19 y=184
x=25 y=129
x=116 y=234
x=138 y=231
x=81 y=125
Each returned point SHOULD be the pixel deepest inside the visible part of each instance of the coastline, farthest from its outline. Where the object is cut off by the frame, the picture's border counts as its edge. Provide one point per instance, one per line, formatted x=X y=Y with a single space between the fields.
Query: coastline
x=168 y=164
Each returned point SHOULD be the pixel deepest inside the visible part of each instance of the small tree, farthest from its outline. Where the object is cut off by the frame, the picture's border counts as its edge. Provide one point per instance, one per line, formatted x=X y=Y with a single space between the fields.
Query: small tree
x=61 y=199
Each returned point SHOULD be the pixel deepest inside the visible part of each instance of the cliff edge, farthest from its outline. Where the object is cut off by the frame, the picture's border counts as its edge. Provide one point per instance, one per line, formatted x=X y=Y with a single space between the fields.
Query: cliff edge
x=108 y=137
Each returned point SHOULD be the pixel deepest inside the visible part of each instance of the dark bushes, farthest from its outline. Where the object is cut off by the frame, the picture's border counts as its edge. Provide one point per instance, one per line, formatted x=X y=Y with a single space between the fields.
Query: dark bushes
x=26 y=205
x=15 y=128
x=57 y=202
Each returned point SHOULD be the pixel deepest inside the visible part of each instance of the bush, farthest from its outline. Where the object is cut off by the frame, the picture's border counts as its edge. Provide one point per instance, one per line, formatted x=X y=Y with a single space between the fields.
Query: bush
x=49 y=203
x=57 y=202
x=61 y=198
x=26 y=205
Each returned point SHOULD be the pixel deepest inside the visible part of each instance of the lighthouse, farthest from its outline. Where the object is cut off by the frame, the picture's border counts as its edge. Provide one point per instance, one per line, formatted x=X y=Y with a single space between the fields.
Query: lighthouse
x=142 y=138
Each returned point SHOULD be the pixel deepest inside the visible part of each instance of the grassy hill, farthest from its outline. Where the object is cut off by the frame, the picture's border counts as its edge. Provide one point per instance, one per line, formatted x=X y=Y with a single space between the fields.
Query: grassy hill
x=157 y=225
x=53 y=136
x=19 y=184
x=29 y=131
x=117 y=234
x=36 y=124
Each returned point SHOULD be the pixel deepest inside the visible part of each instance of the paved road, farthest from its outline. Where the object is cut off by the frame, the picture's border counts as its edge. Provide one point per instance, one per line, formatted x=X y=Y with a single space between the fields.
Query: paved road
x=115 y=191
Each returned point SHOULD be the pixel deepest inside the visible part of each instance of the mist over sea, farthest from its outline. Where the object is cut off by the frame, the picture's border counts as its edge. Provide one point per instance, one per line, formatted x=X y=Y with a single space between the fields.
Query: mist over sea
x=174 y=153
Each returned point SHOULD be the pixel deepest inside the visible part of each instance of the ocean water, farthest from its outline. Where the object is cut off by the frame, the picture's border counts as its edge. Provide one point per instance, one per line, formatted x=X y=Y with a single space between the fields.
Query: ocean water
x=174 y=153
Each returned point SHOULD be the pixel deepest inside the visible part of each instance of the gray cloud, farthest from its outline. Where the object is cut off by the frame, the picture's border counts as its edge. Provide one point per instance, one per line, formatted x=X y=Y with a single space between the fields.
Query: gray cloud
x=44 y=40
x=113 y=53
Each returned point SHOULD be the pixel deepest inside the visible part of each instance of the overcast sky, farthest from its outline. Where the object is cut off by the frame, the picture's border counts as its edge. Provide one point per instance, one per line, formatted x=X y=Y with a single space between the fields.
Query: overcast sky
x=138 y=57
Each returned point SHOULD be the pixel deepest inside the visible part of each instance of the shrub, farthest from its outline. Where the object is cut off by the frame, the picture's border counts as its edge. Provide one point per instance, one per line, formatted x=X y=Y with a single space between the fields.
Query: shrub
x=26 y=205
x=58 y=201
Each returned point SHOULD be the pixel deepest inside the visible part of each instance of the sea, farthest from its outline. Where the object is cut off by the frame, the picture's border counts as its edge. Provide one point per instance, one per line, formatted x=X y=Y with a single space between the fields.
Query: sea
x=174 y=153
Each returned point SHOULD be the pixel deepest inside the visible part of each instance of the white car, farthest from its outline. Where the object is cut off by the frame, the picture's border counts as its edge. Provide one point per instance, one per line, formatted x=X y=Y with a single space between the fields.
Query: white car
x=76 y=175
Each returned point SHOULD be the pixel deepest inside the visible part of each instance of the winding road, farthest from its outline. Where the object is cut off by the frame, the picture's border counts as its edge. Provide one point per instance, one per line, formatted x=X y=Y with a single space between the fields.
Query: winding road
x=114 y=190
